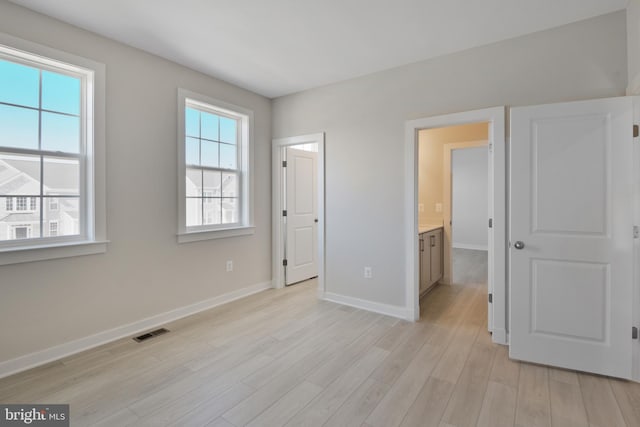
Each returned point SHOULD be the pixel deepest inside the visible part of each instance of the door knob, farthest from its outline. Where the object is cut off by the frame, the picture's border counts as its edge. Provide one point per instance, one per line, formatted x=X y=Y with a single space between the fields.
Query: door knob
x=518 y=245
x=315 y=220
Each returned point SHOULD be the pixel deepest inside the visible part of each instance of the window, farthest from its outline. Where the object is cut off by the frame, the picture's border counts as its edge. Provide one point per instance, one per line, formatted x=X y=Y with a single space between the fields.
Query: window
x=21 y=232
x=49 y=104
x=214 y=147
x=21 y=203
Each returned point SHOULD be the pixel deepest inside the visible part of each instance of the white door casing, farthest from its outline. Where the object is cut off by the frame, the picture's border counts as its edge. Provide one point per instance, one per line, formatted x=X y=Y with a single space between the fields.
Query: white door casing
x=495 y=117
x=302 y=214
x=571 y=205
x=277 y=203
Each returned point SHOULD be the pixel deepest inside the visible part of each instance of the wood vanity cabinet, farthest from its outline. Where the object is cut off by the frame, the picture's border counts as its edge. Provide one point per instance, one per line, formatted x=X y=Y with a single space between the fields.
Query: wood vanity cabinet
x=431 y=259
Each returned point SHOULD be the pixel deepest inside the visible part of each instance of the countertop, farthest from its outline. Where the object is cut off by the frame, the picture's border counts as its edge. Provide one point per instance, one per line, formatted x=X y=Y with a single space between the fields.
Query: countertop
x=425 y=228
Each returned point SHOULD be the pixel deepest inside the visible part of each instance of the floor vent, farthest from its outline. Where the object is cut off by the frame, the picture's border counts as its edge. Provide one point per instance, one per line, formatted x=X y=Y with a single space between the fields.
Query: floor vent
x=151 y=334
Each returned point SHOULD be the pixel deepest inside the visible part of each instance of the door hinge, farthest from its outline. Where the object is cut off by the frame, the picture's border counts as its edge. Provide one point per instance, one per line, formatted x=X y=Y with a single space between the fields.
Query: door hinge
x=636 y=232
x=284 y=262
x=284 y=212
x=490 y=222
x=636 y=131
x=284 y=163
x=634 y=333
x=490 y=298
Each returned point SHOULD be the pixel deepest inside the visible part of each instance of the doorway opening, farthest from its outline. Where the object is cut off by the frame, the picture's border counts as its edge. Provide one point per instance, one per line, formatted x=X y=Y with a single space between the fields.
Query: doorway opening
x=298 y=210
x=452 y=235
x=468 y=200
x=453 y=208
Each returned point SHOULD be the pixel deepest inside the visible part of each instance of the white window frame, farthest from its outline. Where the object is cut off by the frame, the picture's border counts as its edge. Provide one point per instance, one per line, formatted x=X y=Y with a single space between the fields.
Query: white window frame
x=21 y=207
x=57 y=224
x=245 y=148
x=92 y=237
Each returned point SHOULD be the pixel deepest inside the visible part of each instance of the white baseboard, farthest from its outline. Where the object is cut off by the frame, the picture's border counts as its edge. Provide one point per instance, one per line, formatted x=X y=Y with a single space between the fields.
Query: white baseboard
x=376 y=307
x=499 y=336
x=470 y=246
x=51 y=354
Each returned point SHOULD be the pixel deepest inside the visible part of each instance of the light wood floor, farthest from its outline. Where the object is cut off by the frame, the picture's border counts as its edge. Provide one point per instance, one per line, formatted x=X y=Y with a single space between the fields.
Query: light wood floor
x=284 y=358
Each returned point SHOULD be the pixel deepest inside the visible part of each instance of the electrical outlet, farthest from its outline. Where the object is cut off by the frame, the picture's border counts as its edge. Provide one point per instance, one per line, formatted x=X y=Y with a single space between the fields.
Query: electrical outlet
x=229 y=266
x=368 y=274
x=420 y=207
x=438 y=207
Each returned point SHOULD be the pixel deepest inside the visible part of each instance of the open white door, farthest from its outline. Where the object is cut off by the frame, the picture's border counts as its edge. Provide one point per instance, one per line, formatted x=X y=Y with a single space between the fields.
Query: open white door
x=571 y=235
x=302 y=215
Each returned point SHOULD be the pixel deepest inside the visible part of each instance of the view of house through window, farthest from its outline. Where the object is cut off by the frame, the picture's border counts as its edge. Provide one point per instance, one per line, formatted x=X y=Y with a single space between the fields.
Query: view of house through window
x=41 y=150
x=212 y=167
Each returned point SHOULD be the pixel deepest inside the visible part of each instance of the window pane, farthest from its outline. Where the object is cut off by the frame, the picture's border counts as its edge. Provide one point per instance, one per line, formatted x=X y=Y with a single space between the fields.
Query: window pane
x=209 y=126
x=61 y=176
x=60 y=93
x=194 y=211
x=211 y=211
x=19 y=174
x=228 y=130
x=19 y=84
x=68 y=216
x=194 y=183
x=60 y=133
x=230 y=185
x=228 y=156
x=229 y=211
x=22 y=222
x=192 y=122
x=53 y=204
x=18 y=127
x=209 y=154
x=212 y=183
x=192 y=153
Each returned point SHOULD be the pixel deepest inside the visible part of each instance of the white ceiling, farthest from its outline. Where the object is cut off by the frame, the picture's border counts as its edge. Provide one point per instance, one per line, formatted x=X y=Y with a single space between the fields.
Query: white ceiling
x=277 y=47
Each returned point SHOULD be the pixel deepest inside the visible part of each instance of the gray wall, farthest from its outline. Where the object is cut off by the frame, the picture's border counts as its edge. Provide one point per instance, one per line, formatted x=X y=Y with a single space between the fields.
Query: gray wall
x=145 y=272
x=470 y=198
x=633 y=47
x=364 y=123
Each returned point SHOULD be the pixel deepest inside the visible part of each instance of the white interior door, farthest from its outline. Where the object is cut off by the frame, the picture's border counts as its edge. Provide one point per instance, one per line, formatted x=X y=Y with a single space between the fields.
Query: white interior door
x=571 y=235
x=302 y=214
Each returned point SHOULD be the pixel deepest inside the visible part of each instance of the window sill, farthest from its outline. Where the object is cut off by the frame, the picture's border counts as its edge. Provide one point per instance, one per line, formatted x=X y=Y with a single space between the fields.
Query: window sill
x=196 y=236
x=51 y=251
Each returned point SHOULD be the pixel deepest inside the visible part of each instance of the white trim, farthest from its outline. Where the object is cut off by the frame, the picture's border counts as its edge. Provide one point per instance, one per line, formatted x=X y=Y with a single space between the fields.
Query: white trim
x=500 y=336
x=277 y=242
x=52 y=251
x=635 y=370
x=245 y=170
x=376 y=307
x=470 y=246
x=216 y=234
x=51 y=354
x=497 y=268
